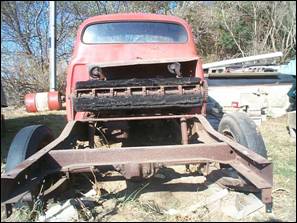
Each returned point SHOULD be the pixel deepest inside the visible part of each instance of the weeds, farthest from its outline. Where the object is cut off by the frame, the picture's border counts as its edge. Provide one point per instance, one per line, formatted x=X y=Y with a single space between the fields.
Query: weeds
x=133 y=195
x=281 y=152
x=151 y=207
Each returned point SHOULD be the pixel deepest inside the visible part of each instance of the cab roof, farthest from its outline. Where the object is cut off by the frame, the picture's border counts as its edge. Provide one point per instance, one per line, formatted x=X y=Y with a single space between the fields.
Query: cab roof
x=134 y=17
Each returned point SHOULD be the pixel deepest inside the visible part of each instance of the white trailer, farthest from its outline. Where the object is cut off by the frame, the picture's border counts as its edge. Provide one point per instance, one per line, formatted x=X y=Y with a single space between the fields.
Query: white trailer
x=258 y=89
x=259 y=97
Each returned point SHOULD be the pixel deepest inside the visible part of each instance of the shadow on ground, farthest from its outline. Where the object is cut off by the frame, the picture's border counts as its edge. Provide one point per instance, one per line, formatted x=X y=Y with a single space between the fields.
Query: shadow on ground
x=134 y=188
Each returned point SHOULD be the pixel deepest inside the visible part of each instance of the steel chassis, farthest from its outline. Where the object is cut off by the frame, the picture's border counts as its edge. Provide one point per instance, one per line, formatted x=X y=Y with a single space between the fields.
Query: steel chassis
x=60 y=157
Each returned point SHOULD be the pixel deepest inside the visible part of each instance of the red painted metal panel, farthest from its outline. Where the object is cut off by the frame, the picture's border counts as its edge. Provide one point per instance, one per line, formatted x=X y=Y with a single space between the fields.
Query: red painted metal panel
x=30 y=102
x=54 y=100
x=115 y=54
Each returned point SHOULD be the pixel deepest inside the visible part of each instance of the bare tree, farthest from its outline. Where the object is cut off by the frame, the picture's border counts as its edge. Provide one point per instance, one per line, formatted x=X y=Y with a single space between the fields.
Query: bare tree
x=221 y=30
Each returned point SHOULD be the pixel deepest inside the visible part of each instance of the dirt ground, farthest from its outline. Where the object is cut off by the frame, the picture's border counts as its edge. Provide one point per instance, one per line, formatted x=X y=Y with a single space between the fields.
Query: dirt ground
x=147 y=201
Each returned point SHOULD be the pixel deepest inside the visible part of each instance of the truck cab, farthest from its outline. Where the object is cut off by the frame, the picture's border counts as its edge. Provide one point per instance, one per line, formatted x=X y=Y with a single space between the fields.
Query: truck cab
x=131 y=46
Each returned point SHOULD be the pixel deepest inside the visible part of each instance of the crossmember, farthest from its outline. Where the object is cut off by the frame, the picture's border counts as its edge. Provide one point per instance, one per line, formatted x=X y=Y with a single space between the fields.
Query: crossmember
x=58 y=158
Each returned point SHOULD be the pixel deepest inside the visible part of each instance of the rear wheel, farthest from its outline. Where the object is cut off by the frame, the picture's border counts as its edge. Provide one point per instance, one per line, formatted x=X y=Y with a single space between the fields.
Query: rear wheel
x=241 y=128
x=27 y=142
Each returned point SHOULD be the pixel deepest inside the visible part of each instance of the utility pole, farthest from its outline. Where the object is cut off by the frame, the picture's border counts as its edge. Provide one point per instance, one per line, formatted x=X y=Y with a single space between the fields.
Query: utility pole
x=52 y=59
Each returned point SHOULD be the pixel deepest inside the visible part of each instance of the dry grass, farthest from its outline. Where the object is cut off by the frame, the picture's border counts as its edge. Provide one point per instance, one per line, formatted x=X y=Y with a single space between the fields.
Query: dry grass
x=281 y=150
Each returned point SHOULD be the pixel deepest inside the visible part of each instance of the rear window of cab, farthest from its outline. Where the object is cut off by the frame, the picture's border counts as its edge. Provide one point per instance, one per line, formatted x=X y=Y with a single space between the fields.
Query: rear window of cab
x=134 y=32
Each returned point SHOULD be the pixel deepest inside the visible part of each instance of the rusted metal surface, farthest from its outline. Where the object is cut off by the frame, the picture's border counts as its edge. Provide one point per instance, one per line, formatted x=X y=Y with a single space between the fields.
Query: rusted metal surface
x=71 y=159
x=184 y=134
x=139 y=78
x=140 y=90
x=12 y=190
x=205 y=97
x=136 y=103
x=143 y=81
x=112 y=97
x=252 y=173
x=91 y=134
x=204 y=137
x=184 y=131
x=135 y=170
x=249 y=164
x=266 y=195
x=140 y=161
x=55 y=186
x=37 y=156
x=240 y=148
x=156 y=117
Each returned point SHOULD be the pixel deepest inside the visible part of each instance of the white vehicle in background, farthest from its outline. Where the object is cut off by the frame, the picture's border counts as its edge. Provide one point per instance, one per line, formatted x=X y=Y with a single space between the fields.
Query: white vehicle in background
x=258 y=96
x=259 y=90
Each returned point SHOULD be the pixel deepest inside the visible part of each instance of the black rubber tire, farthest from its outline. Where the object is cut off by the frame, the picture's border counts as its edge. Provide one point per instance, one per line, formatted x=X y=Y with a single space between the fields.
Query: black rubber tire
x=242 y=129
x=27 y=142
